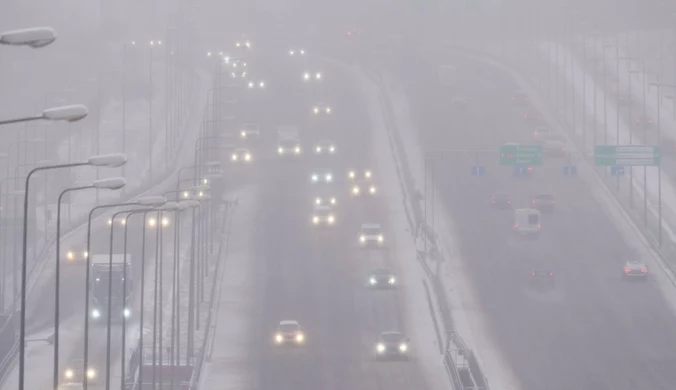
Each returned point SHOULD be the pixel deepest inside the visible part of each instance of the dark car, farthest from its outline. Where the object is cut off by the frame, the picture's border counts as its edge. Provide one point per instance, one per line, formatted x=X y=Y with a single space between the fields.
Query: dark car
x=542 y=278
x=546 y=203
x=635 y=270
x=459 y=104
x=392 y=346
x=532 y=117
x=644 y=122
x=382 y=278
x=501 y=201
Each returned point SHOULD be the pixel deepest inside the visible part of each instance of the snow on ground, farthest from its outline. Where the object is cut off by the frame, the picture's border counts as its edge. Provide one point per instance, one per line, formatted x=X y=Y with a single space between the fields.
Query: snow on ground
x=227 y=362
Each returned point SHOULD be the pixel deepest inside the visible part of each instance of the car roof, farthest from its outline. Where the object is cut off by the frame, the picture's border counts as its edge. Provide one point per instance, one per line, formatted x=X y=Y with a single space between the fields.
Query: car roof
x=323 y=208
x=324 y=141
x=501 y=195
x=391 y=333
x=241 y=150
x=382 y=271
x=527 y=211
x=370 y=225
x=364 y=180
x=322 y=170
x=288 y=322
x=544 y=196
x=635 y=264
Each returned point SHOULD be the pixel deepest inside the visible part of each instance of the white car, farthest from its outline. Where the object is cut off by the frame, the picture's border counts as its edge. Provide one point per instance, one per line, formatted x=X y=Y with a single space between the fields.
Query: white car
x=370 y=234
x=325 y=196
x=256 y=84
x=238 y=73
x=321 y=108
x=554 y=147
x=527 y=222
x=241 y=155
x=354 y=175
x=635 y=269
x=309 y=76
x=289 y=332
x=363 y=187
x=322 y=176
x=243 y=44
x=289 y=147
x=323 y=215
x=249 y=130
x=325 y=147
x=297 y=52
x=74 y=370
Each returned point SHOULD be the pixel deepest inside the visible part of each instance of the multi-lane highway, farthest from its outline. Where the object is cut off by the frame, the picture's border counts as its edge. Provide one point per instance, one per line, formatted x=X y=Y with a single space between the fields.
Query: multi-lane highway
x=593 y=330
x=313 y=275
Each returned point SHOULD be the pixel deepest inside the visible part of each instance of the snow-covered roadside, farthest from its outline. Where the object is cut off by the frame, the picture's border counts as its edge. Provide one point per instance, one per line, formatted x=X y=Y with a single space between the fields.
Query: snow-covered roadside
x=227 y=365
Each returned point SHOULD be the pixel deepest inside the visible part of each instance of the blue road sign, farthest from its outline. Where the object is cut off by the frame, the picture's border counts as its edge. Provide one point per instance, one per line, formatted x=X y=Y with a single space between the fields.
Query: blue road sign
x=570 y=170
x=478 y=170
x=617 y=170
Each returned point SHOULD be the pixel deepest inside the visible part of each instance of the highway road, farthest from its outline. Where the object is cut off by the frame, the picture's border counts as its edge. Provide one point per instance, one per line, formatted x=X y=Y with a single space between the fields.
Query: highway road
x=593 y=330
x=318 y=276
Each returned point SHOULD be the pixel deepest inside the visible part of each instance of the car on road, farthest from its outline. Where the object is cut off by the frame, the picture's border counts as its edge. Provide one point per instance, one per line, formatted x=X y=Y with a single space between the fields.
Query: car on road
x=546 y=203
x=370 y=235
x=74 y=369
x=363 y=187
x=554 y=147
x=239 y=73
x=241 y=155
x=356 y=175
x=323 y=215
x=542 y=278
x=321 y=108
x=249 y=131
x=322 y=175
x=459 y=103
x=635 y=269
x=309 y=76
x=527 y=222
x=325 y=196
x=392 y=346
x=296 y=52
x=644 y=122
x=501 y=201
x=260 y=84
x=289 y=147
x=74 y=256
x=325 y=147
x=520 y=98
x=289 y=332
x=540 y=134
x=532 y=117
x=382 y=278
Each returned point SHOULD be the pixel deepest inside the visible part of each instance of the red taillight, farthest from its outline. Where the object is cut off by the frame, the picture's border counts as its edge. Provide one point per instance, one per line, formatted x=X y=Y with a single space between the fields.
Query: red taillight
x=525 y=116
x=533 y=273
x=551 y=274
x=493 y=201
x=627 y=270
x=530 y=168
x=533 y=202
x=644 y=270
x=516 y=226
x=539 y=226
x=509 y=202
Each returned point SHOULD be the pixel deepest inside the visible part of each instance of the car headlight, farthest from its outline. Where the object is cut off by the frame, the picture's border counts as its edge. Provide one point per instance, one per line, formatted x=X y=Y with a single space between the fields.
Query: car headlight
x=372 y=190
x=367 y=174
x=243 y=74
x=332 y=149
x=306 y=76
x=318 y=201
x=373 y=281
x=316 y=110
x=318 y=76
x=333 y=201
x=403 y=347
x=328 y=110
x=392 y=280
x=315 y=219
x=355 y=190
x=233 y=74
x=234 y=157
x=126 y=313
x=247 y=157
x=329 y=177
x=319 y=150
x=279 y=338
x=351 y=174
x=261 y=84
x=362 y=239
x=380 y=238
x=380 y=347
x=331 y=219
x=300 y=337
x=96 y=313
x=85 y=254
x=280 y=150
x=91 y=373
x=297 y=150
x=69 y=374
x=70 y=255
x=314 y=178
x=251 y=84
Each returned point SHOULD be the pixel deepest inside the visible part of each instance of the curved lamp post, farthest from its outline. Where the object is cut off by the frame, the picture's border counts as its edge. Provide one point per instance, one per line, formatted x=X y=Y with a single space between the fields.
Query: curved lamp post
x=110 y=184
x=72 y=113
x=108 y=160
x=35 y=37
x=151 y=201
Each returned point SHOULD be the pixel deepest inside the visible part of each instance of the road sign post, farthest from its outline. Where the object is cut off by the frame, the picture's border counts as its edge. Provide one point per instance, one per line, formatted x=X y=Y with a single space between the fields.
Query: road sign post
x=518 y=155
x=626 y=155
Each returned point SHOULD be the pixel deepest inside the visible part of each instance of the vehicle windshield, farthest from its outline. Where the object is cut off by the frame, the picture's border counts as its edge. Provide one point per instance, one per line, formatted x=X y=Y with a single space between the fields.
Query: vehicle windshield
x=370 y=231
x=100 y=284
x=391 y=337
x=288 y=143
x=250 y=127
x=323 y=211
x=382 y=271
x=544 y=197
x=533 y=219
x=288 y=328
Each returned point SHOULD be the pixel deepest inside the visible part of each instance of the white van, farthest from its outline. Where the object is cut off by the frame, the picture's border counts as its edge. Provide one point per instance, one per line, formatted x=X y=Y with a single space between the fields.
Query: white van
x=527 y=221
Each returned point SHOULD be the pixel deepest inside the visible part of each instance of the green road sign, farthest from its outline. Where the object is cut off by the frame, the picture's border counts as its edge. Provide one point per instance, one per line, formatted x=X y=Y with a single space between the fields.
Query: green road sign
x=513 y=154
x=626 y=155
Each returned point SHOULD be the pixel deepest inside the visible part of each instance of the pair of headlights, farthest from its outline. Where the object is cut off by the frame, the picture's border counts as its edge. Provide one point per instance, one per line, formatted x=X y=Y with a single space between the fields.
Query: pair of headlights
x=70 y=255
x=70 y=373
x=246 y=157
x=318 y=201
x=96 y=313
x=330 y=219
x=381 y=348
x=392 y=280
x=380 y=238
x=356 y=190
x=327 y=178
x=299 y=338
x=296 y=150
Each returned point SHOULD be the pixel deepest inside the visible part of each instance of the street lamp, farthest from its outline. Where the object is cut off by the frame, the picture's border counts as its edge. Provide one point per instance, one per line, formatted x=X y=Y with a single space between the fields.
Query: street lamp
x=72 y=113
x=107 y=160
x=36 y=37
x=151 y=201
x=110 y=184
